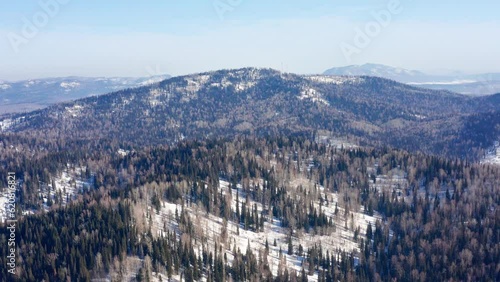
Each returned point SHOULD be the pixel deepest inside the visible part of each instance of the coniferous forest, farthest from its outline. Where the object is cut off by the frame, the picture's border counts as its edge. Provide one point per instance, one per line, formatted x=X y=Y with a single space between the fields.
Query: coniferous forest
x=208 y=210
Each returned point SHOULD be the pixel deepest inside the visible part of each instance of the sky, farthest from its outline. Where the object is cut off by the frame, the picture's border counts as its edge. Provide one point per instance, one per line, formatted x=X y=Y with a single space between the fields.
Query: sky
x=54 y=38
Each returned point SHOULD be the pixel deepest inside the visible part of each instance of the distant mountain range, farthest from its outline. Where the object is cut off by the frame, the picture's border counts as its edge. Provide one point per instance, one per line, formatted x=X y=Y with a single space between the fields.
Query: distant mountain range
x=28 y=95
x=475 y=84
x=372 y=111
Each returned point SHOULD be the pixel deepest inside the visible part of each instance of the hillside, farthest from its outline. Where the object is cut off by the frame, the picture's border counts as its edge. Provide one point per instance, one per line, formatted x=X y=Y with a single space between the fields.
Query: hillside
x=250 y=209
x=367 y=110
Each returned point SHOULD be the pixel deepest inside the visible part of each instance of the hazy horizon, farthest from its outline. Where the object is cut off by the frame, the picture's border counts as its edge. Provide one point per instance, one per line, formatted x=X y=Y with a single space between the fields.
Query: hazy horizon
x=60 y=38
x=438 y=72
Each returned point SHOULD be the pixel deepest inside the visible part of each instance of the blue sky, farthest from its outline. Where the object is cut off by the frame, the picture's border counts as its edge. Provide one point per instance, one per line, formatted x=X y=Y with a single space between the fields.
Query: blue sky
x=132 y=38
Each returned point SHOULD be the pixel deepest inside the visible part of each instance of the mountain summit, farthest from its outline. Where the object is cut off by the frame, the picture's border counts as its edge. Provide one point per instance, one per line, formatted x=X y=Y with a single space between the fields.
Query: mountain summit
x=265 y=102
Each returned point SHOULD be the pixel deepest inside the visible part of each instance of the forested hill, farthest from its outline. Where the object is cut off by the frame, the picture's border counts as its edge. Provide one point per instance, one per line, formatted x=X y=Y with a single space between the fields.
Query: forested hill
x=246 y=209
x=372 y=111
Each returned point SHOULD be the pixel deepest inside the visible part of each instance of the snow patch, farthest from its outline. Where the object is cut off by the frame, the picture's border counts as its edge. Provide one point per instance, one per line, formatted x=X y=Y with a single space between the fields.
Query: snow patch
x=332 y=79
x=4 y=86
x=313 y=95
x=74 y=111
x=242 y=86
x=123 y=153
x=453 y=82
x=492 y=155
x=69 y=85
x=419 y=116
x=5 y=124
x=68 y=184
x=154 y=95
x=8 y=123
x=30 y=83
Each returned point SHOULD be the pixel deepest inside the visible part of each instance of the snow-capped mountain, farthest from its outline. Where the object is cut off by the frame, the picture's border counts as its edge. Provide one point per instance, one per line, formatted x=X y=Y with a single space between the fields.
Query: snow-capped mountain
x=469 y=84
x=34 y=94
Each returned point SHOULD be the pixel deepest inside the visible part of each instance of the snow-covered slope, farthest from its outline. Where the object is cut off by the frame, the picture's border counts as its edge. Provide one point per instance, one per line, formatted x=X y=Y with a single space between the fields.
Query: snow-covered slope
x=64 y=188
x=230 y=236
x=492 y=155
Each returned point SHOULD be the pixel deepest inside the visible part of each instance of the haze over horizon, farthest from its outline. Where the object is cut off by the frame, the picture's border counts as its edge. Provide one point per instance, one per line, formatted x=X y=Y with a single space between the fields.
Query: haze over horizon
x=76 y=38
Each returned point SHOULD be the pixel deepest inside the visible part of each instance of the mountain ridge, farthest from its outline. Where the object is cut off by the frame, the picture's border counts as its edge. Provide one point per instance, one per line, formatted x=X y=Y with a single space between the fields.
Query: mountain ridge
x=32 y=94
x=265 y=101
x=469 y=84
